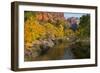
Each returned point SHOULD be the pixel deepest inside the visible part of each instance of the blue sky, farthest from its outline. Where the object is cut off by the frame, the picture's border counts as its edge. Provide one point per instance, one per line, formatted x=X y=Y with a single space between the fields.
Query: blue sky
x=68 y=15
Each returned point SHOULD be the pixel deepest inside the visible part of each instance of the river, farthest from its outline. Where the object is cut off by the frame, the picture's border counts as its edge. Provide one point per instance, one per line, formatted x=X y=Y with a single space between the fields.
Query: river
x=68 y=54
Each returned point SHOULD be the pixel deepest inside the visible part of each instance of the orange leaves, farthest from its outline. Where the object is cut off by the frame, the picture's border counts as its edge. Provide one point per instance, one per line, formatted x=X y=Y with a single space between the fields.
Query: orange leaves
x=39 y=17
x=45 y=17
x=42 y=16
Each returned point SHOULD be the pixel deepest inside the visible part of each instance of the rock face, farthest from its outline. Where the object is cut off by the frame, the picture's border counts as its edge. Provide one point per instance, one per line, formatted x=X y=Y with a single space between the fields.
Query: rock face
x=52 y=17
x=73 y=22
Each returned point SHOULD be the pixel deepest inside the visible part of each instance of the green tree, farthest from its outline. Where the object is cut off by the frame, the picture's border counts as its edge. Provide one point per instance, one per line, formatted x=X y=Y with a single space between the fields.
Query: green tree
x=29 y=15
x=84 y=26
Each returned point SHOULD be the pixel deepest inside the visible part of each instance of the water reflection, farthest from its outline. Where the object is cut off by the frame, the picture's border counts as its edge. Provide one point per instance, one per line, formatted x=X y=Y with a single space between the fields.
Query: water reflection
x=61 y=51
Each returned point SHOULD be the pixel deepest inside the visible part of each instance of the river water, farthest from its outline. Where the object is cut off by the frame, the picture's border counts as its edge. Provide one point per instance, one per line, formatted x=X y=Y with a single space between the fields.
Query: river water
x=68 y=54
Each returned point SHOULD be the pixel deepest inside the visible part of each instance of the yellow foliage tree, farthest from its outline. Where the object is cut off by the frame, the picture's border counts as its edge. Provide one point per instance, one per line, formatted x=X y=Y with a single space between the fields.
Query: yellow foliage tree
x=69 y=32
x=33 y=31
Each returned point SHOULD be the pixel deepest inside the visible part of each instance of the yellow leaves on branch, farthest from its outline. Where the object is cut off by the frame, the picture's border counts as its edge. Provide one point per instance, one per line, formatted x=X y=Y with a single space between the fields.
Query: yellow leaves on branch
x=33 y=31
x=61 y=31
x=54 y=31
x=69 y=32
